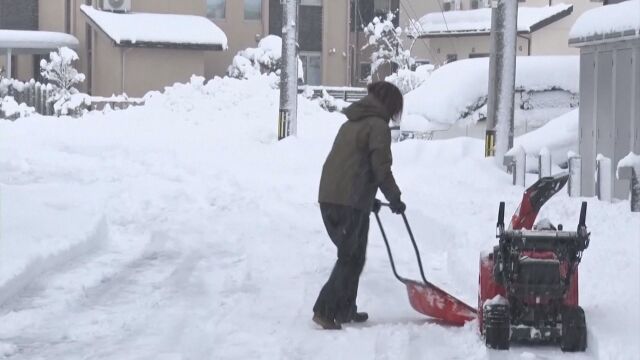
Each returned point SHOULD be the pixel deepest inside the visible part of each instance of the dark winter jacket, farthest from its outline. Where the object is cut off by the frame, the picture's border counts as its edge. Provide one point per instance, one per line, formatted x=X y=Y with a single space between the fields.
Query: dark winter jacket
x=360 y=160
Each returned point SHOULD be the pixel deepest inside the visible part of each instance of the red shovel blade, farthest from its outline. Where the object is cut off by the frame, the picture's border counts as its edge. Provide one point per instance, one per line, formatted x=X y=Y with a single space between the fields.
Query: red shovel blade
x=432 y=301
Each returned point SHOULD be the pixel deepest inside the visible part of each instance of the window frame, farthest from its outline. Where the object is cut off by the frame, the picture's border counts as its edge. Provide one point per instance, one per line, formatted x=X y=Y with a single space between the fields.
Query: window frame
x=224 y=12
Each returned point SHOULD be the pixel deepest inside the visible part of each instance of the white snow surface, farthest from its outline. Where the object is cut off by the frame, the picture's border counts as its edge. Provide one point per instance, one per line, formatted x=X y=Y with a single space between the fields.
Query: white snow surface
x=211 y=246
x=608 y=19
x=157 y=28
x=19 y=39
x=479 y=20
x=448 y=94
x=559 y=137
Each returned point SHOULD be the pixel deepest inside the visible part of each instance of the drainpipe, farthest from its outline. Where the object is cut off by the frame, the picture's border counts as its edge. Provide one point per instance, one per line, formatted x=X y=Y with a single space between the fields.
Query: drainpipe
x=528 y=43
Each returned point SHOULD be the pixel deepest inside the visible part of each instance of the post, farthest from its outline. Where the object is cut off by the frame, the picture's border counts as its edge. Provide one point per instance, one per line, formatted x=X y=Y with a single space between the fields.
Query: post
x=9 y=65
x=575 y=172
x=603 y=178
x=635 y=191
x=502 y=72
x=287 y=119
x=544 y=163
x=520 y=167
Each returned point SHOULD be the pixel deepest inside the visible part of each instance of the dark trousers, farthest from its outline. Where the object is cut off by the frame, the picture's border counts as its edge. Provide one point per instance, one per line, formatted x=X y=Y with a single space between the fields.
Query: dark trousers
x=348 y=228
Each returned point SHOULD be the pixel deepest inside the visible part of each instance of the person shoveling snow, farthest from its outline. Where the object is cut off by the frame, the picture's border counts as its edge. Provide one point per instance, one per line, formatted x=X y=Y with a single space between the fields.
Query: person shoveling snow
x=359 y=163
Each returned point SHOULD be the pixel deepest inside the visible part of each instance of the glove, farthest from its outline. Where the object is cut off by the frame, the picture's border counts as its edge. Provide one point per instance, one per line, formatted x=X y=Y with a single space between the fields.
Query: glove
x=377 y=204
x=397 y=207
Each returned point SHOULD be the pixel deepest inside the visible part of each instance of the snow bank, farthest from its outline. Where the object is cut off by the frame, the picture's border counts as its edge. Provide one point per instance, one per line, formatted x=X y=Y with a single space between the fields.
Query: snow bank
x=559 y=136
x=43 y=227
x=479 y=20
x=157 y=28
x=454 y=91
x=631 y=160
x=617 y=18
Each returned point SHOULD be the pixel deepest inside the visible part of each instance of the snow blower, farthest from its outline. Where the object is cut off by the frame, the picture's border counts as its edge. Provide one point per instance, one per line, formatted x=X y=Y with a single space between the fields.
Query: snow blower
x=424 y=296
x=529 y=283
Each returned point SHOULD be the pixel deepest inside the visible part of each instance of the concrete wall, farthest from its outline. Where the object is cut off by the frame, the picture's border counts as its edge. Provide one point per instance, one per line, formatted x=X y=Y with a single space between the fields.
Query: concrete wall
x=153 y=69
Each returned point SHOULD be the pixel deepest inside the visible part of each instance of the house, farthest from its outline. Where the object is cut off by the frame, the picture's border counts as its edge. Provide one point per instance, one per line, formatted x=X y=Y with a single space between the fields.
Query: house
x=461 y=28
x=132 y=53
x=609 y=42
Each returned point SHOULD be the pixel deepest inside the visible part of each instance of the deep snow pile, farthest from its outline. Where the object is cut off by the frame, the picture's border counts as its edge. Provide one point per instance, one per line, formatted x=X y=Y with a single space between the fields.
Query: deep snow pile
x=215 y=248
x=463 y=86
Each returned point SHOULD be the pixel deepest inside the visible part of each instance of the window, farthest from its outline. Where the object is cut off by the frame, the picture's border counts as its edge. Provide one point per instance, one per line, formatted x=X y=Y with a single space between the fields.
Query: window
x=311 y=2
x=253 y=9
x=446 y=6
x=312 y=66
x=475 y=4
x=451 y=58
x=216 y=9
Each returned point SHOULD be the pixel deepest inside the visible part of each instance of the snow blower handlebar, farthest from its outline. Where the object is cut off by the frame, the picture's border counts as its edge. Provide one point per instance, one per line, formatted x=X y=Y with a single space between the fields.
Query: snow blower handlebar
x=376 y=210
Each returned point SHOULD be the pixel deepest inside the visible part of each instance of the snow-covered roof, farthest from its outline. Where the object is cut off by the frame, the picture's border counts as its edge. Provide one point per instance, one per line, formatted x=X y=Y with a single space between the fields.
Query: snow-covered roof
x=607 y=23
x=454 y=89
x=158 y=30
x=35 y=42
x=475 y=22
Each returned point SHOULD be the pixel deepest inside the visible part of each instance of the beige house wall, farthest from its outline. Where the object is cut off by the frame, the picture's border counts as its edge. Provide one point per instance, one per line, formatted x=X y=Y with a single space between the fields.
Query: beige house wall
x=51 y=15
x=335 y=51
x=153 y=69
x=466 y=46
x=241 y=34
x=107 y=66
x=187 y=7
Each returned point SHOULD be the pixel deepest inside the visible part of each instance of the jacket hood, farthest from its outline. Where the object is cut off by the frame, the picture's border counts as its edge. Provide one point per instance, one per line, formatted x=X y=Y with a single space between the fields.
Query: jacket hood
x=368 y=106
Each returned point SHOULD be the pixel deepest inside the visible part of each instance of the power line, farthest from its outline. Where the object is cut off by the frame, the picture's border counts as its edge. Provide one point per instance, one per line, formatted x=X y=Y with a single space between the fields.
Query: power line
x=413 y=22
x=446 y=26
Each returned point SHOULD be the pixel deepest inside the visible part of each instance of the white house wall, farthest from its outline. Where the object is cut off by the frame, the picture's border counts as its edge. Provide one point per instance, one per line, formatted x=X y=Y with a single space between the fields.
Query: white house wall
x=623 y=108
x=587 y=121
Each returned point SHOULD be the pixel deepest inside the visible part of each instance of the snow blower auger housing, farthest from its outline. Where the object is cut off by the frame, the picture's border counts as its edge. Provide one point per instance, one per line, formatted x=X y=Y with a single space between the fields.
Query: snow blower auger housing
x=529 y=283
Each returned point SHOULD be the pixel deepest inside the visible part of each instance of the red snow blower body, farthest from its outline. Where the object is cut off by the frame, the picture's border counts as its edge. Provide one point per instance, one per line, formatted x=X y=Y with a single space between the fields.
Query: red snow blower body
x=529 y=283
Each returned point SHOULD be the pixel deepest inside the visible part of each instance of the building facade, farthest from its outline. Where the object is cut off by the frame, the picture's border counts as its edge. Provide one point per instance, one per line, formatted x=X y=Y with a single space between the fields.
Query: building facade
x=550 y=37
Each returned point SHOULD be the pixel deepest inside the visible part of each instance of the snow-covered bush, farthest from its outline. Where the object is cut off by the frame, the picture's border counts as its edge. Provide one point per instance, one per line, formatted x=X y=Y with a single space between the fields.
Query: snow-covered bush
x=60 y=72
x=407 y=80
x=10 y=109
x=264 y=59
x=388 y=45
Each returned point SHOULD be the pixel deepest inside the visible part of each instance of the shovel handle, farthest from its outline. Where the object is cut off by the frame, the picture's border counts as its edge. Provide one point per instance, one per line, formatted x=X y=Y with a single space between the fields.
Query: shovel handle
x=413 y=242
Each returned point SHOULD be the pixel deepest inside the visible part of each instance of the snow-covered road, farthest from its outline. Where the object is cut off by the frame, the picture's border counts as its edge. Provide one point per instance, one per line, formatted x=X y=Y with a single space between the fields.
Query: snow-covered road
x=211 y=245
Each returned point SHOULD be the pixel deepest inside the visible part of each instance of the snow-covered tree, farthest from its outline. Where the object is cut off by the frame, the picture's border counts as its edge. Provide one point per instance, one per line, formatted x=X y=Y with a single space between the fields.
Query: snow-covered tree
x=59 y=70
x=63 y=76
x=388 y=46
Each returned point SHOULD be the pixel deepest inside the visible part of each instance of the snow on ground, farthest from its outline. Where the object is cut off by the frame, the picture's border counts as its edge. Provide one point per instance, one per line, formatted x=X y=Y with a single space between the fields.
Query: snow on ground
x=214 y=248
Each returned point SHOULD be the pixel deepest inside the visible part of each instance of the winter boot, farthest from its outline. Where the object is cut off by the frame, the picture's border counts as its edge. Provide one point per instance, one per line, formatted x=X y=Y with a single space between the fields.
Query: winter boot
x=327 y=324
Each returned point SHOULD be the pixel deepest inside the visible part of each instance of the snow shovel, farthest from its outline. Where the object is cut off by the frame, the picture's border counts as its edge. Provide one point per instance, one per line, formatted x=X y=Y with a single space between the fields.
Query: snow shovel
x=425 y=297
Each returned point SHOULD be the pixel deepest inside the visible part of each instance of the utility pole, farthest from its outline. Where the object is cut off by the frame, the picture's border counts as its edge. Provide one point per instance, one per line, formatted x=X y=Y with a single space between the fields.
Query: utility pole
x=287 y=118
x=502 y=76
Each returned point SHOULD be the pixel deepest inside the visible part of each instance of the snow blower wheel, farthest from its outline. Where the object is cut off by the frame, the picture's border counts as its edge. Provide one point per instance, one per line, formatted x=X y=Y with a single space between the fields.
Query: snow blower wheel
x=574 y=330
x=529 y=283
